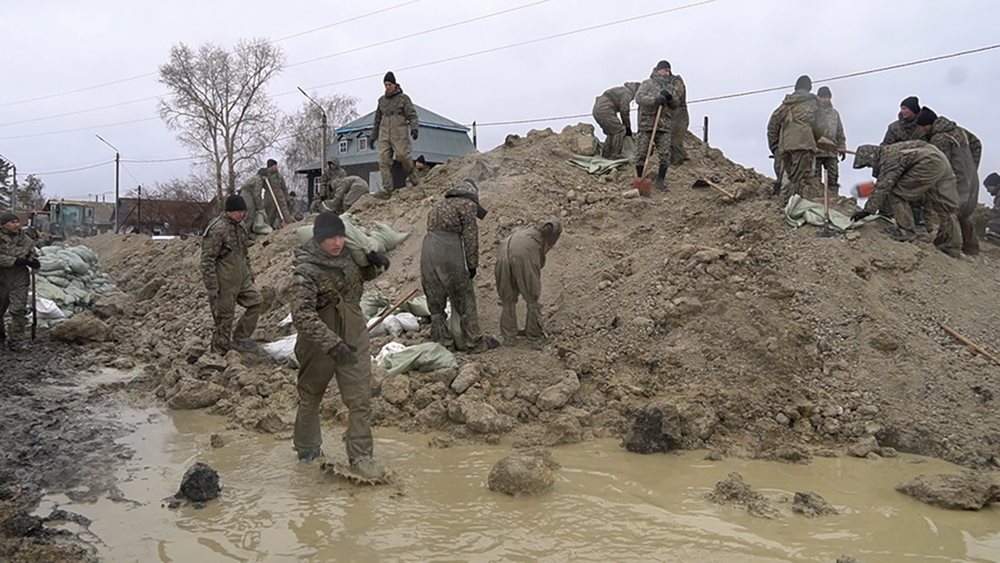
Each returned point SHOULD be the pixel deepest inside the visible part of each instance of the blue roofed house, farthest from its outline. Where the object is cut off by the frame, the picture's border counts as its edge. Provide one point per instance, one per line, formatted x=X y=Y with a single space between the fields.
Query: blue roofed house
x=440 y=139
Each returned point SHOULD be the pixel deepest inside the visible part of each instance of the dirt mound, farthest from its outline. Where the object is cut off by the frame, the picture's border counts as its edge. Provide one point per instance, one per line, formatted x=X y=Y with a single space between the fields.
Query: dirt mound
x=784 y=338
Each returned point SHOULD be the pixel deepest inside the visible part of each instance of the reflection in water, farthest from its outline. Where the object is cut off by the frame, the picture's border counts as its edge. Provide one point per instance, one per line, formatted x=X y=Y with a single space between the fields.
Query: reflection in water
x=606 y=505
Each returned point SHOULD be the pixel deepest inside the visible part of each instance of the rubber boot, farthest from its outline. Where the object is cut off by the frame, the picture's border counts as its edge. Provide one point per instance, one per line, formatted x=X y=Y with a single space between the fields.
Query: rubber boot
x=661 y=178
x=366 y=468
x=638 y=170
x=309 y=454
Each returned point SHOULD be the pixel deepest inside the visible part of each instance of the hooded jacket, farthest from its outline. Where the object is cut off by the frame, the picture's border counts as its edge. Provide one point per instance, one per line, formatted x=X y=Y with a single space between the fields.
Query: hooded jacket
x=793 y=126
x=646 y=98
x=911 y=170
x=394 y=111
x=619 y=100
x=953 y=141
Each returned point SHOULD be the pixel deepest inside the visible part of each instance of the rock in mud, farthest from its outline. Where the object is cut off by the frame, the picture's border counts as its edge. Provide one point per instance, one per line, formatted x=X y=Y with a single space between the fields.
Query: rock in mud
x=847 y=559
x=483 y=418
x=81 y=329
x=112 y=305
x=563 y=430
x=811 y=505
x=655 y=430
x=396 y=389
x=863 y=447
x=200 y=484
x=190 y=393
x=733 y=491
x=468 y=375
x=524 y=473
x=559 y=394
x=217 y=441
x=966 y=491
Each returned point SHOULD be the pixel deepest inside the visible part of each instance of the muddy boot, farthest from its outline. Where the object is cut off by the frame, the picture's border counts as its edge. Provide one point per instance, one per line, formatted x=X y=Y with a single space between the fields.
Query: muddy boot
x=367 y=469
x=898 y=234
x=661 y=178
x=244 y=345
x=638 y=170
x=309 y=454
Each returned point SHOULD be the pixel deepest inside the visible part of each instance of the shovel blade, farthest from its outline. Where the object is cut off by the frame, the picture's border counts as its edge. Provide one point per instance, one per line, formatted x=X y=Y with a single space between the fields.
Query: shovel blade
x=643 y=186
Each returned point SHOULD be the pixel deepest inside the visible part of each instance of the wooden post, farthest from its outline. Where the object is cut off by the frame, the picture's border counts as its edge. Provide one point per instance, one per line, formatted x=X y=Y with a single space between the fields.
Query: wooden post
x=475 y=139
x=704 y=131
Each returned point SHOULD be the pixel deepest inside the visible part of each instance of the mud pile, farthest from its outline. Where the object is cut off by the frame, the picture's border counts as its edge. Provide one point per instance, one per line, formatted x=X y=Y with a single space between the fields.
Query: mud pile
x=759 y=336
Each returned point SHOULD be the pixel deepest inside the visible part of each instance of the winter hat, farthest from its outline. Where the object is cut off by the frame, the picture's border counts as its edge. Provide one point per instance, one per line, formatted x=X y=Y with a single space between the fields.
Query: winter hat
x=911 y=103
x=992 y=180
x=662 y=65
x=271 y=162
x=804 y=83
x=824 y=92
x=7 y=217
x=235 y=203
x=328 y=225
x=926 y=117
x=390 y=77
x=421 y=159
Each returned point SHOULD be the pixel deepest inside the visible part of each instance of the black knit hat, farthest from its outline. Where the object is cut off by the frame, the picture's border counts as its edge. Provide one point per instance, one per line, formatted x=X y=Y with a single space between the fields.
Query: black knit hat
x=390 y=77
x=911 y=103
x=7 y=217
x=992 y=180
x=421 y=159
x=662 y=65
x=235 y=202
x=804 y=83
x=926 y=117
x=328 y=224
x=824 y=92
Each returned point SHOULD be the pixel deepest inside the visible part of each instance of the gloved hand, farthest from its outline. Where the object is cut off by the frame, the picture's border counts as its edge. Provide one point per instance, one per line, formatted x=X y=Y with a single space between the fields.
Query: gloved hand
x=22 y=261
x=628 y=131
x=373 y=138
x=859 y=216
x=343 y=354
x=664 y=98
x=415 y=133
x=843 y=156
x=472 y=273
x=378 y=260
x=34 y=264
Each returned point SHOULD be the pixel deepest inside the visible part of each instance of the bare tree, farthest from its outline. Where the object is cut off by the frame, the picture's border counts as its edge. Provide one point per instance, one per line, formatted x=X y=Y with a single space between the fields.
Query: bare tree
x=218 y=106
x=193 y=188
x=305 y=136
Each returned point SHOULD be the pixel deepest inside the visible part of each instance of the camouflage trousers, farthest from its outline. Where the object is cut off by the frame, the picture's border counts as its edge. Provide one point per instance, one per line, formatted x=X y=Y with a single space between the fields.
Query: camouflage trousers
x=832 y=166
x=797 y=173
x=516 y=276
x=445 y=277
x=395 y=146
x=317 y=369
x=15 y=282
x=606 y=116
x=662 y=146
x=224 y=312
x=679 y=123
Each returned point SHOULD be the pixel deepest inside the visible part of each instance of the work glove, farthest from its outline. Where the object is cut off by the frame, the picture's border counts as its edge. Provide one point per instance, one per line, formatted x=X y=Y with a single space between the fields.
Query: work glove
x=343 y=354
x=859 y=216
x=628 y=131
x=34 y=264
x=415 y=133
x=23 y=261
x=664 y=98
x=472 y=273
x=843 y=156
x=378 y=260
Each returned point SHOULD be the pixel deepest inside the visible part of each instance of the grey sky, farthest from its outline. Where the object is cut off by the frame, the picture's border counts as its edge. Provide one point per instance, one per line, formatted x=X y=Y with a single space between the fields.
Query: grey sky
x=719 y=48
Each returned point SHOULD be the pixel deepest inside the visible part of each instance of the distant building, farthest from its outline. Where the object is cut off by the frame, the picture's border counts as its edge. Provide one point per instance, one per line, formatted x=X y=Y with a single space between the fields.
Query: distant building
x=164 y=216
x=440 y=139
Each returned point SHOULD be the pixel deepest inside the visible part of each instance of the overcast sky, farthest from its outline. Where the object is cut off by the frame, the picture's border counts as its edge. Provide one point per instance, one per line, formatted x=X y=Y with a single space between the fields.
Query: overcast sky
x=50 y=47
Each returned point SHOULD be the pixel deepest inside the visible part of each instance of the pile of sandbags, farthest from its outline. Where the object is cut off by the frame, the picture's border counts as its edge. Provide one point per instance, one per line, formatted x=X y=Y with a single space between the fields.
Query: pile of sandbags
x=70 y=277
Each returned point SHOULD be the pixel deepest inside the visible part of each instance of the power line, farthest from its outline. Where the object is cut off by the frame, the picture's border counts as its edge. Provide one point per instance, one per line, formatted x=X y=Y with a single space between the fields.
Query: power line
x=67 y=171
x=78 y=112
x=148 y=74
x=77 y=129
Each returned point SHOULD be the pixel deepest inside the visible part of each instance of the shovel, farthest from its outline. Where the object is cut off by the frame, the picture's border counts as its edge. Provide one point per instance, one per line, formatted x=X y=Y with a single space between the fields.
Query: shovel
x=641 y=184
x=826 y=232
x=827 y=145
x=706 y=183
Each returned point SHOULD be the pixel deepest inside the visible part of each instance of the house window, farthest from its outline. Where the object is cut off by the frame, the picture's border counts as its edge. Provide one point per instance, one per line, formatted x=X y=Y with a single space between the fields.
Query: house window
x=362 y=144
x=343 y=147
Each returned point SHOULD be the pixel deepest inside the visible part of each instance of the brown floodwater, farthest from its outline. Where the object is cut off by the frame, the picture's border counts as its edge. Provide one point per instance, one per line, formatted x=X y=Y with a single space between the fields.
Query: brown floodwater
x=606 y=505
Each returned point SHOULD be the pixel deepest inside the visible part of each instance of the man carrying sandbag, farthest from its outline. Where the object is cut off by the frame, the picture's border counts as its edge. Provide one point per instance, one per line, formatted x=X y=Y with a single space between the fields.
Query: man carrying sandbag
x=326 y=290
x=17 y=254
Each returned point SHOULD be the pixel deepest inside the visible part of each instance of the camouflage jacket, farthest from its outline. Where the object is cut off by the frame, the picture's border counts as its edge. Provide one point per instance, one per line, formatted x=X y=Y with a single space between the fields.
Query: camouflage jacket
x=646 y=98
x=679 y=90
x=953 y=142
x=906 y=168
x=793 y=125
x=394 y=111
x=319 y=281
x=225 y=253
x=830 y=126
x=326 y=181
x=251 y=191
x=975 y=146
x=456 y=213
x=620 y=99
x=14 y=246
x=902 y=130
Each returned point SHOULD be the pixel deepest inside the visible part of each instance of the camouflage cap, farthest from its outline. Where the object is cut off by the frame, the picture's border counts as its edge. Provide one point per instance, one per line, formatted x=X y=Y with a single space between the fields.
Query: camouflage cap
x=867 y=156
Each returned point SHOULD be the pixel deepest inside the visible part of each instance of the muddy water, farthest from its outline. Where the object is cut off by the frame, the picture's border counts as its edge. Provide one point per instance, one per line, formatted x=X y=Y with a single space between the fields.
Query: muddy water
x=606 y=505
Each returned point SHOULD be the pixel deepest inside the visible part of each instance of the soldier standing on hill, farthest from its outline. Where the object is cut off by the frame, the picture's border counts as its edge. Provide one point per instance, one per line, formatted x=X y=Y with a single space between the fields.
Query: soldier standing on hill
x=611 y=112
x=17 y=254
x=791 y=136
x=275 y=189
x=654 y=93
x=518 y=272
x=395 y=123
x=333 y=341
x=225 y=267
x=905 y=126
x=831 y=127
x=992 y=185
x=679 y=118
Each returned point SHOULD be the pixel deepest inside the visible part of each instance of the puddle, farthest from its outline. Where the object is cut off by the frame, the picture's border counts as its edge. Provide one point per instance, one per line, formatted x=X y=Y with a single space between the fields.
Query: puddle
x=606 y=505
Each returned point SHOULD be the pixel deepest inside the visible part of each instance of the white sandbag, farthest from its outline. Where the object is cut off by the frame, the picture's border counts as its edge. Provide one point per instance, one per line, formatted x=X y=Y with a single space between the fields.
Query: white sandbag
x=281 y=350
x=408 y=321
x=286 y=321
x=389 y=326
x=47 y=309
x=390 y=348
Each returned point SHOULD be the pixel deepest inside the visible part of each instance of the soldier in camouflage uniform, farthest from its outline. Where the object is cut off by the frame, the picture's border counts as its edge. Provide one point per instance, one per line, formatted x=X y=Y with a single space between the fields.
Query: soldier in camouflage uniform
x=333 y=341
x=907 y=172
x=345 y=193
x=791 y=135
x=518 y=272
x=680 y=119
x=278 y=191
x=992 y=185
x=905 y=127
x=831 y=127
x=225 y=267
x=251 y=191
x=953 y=142
x=395 y=123
x=449 y=258
x=611 y=112
x=655 y=92
x=331 y=173
x=17 y=254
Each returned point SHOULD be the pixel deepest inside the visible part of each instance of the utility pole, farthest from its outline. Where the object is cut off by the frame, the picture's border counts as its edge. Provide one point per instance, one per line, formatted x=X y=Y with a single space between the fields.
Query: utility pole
x=138 y=212
x=326 y=141
x=118 y=161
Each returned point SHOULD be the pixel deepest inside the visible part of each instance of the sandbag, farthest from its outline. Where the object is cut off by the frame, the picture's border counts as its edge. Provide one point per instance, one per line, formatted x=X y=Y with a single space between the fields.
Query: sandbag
x=50 y=263
x=58 y=280
x=281 y=350
x=47 y=309
x=76 y=264
x=387 y=237
x=390 y=325
x=49 y=291
x=372 y=304
x=429 y=356
x=390 y=348
x=409 y=322
x=260 y=226
x=85 y=253
x=417 y=306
